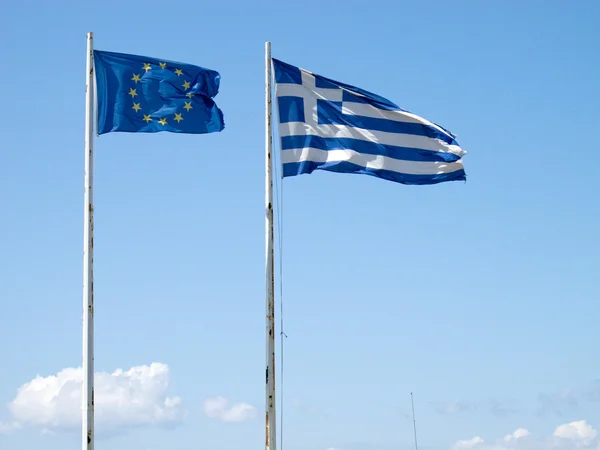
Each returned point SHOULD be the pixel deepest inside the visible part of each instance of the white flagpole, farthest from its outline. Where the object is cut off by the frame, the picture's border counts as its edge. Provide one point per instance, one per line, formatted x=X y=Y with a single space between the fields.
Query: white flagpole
x=270 y=443
x=88 y=257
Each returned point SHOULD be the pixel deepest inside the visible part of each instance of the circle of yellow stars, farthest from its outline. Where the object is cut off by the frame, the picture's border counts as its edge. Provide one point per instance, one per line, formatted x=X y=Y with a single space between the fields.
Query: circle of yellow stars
x=178 y=117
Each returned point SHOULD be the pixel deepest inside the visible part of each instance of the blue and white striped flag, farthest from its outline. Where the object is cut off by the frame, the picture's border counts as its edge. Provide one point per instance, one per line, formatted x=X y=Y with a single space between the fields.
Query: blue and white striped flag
x=328 y=125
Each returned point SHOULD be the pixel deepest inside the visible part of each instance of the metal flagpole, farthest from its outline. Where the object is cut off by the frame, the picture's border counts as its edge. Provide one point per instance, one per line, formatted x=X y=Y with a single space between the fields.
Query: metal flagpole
x=270 y=442
x=88 y=257
x=412 y=402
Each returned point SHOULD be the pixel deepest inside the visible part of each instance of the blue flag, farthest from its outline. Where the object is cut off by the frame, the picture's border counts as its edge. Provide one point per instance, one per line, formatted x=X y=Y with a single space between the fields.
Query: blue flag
x=329 y=125
x=138 y=94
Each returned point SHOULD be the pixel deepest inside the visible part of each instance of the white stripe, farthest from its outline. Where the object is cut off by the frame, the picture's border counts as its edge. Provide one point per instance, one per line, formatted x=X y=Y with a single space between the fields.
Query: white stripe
x=300 y=90
x=381 y=137
x=370 y=161
x=362 y=109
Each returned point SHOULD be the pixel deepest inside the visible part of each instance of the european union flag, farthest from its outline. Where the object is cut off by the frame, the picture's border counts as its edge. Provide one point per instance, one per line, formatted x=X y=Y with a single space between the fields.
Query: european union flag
x=138 y=94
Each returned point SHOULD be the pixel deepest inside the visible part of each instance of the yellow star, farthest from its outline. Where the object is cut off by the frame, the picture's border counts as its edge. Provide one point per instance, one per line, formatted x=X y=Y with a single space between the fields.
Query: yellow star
x=147 y=118
x=178 y=72
x=132 y=92
x=188 y=106
x=135 y=78
x=186 y=85
x=147 y=67
x=190 y=95
x=163 y=65
x=178 y=117
x=163 y=121
x=136 y=106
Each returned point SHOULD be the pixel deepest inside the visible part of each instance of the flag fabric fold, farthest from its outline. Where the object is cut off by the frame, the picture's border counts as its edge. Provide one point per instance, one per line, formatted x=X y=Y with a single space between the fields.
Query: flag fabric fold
x=328 y=125
x=140 y=94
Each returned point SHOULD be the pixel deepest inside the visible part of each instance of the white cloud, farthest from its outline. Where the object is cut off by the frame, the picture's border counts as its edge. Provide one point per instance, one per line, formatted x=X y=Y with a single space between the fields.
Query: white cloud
x=218 y=408
x=470 y=443
x=576 y=431
x=123 y=399
x=518 y=434
x=576 y=435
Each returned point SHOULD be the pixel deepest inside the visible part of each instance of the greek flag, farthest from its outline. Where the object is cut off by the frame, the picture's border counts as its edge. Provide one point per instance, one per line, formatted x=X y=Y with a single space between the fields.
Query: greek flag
x=328 y=125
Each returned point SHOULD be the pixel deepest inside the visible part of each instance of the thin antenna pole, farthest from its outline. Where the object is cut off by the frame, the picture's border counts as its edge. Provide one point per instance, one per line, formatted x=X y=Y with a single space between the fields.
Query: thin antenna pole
x=87 y=392
x=414 y=421
x=270 y=419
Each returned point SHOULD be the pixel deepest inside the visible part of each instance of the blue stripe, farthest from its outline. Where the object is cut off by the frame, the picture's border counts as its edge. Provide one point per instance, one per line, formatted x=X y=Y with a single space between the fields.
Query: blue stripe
x=330 y=113
x=378 y=100
x=325 y=83
x=348 y=96
x=307 y=167
x=366 y=147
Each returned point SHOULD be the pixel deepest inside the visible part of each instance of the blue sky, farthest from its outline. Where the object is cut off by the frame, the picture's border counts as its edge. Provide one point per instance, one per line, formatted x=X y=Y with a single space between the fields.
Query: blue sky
x=479 y=297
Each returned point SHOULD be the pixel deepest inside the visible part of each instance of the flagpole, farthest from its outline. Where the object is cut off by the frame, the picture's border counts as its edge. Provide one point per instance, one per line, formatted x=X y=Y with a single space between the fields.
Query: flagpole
x=87 y=425
x=270 y=442
x=412 y=402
